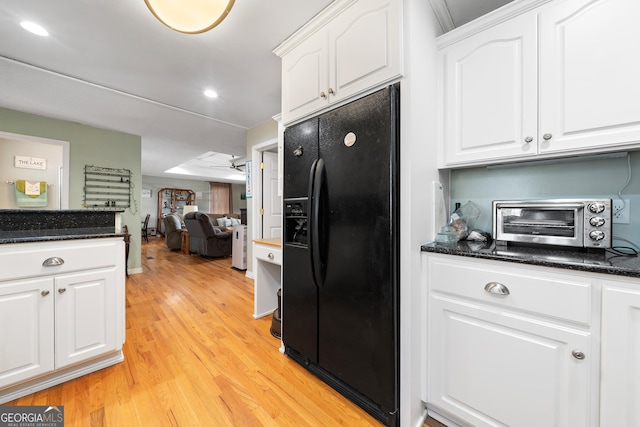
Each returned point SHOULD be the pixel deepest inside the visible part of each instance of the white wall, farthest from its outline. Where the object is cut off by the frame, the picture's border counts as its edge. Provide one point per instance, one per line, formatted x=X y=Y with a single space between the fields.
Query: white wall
x=418 y=169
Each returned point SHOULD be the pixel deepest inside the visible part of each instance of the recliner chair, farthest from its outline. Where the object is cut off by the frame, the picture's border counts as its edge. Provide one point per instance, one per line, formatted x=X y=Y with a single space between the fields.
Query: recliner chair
x=172 y=231
x=205 y=239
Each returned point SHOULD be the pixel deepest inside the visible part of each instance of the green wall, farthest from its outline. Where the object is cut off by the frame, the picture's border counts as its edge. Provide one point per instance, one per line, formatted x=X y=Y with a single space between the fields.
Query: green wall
x=88 y=146
x=600 y=177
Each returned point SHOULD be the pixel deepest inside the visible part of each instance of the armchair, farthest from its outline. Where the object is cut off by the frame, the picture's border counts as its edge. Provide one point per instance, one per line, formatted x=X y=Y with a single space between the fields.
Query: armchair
x=206 y=239
x=172 y=231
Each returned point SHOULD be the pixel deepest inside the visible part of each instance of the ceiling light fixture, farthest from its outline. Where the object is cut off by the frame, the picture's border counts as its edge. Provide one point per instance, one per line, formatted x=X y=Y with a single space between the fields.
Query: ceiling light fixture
x=210 y=93
x=190 y=16
x=34 y=28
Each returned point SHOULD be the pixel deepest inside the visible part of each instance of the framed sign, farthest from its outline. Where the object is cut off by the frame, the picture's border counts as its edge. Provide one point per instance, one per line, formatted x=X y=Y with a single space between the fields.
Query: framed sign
x=30 y=163
x=249 y=176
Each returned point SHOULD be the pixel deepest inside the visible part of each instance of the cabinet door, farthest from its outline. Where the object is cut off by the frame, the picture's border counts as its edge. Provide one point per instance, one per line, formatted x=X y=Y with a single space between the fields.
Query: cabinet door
x=589 y=68
x=26 y=329
x=86 y=315
x=365 y=47
x=490 y=367
x=620 y=378
x=490 y=94
x=305 y=80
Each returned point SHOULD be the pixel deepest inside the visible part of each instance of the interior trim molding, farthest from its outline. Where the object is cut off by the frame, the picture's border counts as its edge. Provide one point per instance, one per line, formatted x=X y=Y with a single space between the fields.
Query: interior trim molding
x=443 y=15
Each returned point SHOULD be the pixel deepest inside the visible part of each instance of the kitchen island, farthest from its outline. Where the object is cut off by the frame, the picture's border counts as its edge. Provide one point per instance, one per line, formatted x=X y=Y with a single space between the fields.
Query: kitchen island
x=62 y=297
x=517 y=334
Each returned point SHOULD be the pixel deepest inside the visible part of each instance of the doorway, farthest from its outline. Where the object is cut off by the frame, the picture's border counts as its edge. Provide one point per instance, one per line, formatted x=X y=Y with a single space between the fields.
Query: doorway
x=34 y=159
x=267 y=198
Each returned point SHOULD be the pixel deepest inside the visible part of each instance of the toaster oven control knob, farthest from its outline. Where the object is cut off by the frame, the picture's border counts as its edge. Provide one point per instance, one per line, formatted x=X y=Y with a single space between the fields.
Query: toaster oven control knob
x=596 y=221
x=597 y=235
x=596 y=207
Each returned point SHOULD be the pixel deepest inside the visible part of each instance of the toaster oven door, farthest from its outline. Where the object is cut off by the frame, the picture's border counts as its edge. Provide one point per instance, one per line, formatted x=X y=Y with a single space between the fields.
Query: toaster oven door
x=552 y=224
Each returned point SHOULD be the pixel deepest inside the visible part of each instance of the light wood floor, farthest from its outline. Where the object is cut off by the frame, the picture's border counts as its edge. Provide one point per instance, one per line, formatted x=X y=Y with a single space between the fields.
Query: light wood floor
x=194 y=356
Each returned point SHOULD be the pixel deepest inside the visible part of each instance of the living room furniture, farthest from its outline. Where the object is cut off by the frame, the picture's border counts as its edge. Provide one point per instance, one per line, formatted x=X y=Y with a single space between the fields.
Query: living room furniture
x=186 y=241
x=206 y=239
x=145 y=228
x=172 y=200
x=172 y=231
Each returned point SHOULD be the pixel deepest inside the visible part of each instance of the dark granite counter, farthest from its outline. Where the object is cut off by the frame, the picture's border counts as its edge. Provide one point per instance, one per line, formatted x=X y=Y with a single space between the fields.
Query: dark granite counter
x=595 y=262
x=30 y=225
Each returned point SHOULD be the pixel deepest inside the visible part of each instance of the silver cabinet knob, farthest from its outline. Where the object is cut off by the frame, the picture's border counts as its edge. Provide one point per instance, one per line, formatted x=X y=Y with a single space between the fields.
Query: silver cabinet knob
x=323 y=95
x=578 y=354
x=331 y=92
x=62 y=290
x=53 y=261
x=496 y=288
x=44 y=293
x=528 y=140
x=270 y=256
x=547 y=136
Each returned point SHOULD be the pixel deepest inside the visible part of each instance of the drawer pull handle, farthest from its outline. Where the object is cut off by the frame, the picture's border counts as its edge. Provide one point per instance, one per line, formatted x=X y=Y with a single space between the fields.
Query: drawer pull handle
x=62 y=290
x=270 y=256
x=496 y=288
x=53 y=261
x=44 y=293
x=578 y=354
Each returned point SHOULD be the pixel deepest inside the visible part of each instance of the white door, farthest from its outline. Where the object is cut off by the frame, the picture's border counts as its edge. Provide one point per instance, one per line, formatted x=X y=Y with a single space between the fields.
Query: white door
x=271 y=202
x=86 y=324
x=26 y=331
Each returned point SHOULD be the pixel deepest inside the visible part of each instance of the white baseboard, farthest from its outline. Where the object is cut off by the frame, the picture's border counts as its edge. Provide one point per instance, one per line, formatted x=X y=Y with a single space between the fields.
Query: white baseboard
x=58 y=377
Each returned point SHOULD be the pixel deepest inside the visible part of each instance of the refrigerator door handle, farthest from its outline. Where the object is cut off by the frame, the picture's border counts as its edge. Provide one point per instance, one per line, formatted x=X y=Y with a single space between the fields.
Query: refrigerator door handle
x=316 y=252
x=311 y=220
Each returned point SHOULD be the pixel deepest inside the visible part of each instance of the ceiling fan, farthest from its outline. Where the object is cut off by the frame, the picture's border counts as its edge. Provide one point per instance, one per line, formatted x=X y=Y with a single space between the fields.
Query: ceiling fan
x=235 y=166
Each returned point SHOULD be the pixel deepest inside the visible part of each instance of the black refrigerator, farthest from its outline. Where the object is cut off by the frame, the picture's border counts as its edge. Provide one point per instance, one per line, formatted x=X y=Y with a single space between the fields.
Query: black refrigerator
x=340 y=290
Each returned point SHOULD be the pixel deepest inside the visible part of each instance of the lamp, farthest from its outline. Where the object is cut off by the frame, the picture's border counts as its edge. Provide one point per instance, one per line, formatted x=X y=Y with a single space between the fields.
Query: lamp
x=189 y=208
x=190 y=16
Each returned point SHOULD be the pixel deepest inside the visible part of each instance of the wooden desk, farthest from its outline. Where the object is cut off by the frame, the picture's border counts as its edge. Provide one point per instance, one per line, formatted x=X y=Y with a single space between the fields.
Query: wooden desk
x=185 y=242
x=267 y=280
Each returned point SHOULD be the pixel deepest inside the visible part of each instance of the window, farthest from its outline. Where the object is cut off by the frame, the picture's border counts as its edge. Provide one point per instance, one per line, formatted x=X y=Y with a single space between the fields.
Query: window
x=220 y=200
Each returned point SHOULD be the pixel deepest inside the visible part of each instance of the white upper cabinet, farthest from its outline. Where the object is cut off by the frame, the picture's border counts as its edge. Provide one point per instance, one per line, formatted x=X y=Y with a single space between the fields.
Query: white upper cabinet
x=490 y=93
x=349 y=48
x=558 y=79
x=589 y=74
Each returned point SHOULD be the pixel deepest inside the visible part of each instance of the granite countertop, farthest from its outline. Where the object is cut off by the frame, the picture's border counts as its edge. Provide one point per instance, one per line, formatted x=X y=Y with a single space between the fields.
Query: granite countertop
x=59 y=235
x=549 y=256
x=40 y=225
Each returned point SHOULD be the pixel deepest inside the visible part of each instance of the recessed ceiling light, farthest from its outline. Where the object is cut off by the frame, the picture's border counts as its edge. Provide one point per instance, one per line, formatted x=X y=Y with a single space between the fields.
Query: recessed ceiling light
x=210 y=93
x=34 y=28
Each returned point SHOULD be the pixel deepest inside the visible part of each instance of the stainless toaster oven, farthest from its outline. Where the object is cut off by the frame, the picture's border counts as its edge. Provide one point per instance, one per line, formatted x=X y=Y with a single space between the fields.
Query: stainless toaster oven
x=578 y=223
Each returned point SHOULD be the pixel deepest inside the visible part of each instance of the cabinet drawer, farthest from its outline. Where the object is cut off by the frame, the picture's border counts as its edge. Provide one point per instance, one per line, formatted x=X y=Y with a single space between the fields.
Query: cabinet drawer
x=22 y=260
x=268 y=253
x=531 y=288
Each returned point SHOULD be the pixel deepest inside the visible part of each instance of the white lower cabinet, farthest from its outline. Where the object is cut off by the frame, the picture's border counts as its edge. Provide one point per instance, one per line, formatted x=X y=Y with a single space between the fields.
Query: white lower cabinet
x=620 y=374
x=27 y=329
x=510 y=346
x=63 y=323
x=85 y=316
